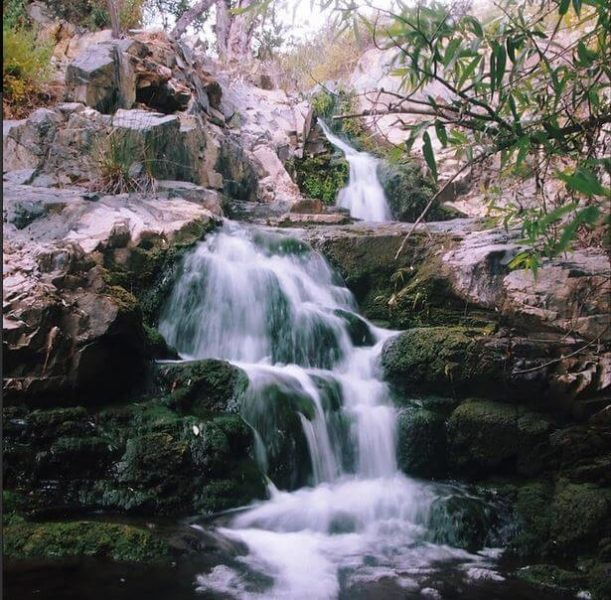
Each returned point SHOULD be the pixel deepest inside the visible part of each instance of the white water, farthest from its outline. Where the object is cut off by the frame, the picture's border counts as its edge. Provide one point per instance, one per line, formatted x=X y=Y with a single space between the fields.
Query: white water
x=363 y=196
x=274 y=307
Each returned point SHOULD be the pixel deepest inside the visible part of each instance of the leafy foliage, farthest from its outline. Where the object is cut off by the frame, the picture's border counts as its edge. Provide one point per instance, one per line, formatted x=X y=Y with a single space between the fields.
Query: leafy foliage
x=527 y=85
x=93 y=14
x=14 y=15
x=25 y=69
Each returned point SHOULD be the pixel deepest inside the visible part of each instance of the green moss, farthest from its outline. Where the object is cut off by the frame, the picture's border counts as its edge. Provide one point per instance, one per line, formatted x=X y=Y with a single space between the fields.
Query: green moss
x=103 y=540
x=408 y=192
x=203 y=387
x=491 y=437
x=552 y=577
x=323 y=103
x=578 y=515
x=422 y=443
x=125 y=300
x=532 y=508
x=439 y=359
x=320 y=177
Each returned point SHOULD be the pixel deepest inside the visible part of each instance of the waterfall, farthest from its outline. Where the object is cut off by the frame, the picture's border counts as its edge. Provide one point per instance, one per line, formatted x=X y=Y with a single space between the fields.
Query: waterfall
x=339 y=513
x=363 y=196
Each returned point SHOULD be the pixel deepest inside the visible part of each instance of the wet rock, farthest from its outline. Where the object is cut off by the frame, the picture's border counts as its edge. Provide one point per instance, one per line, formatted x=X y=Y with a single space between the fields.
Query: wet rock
x=144 y=458
x=422 y=447
x=203 y=387
x=358 y=329
x=408 y=193
x=490 y=437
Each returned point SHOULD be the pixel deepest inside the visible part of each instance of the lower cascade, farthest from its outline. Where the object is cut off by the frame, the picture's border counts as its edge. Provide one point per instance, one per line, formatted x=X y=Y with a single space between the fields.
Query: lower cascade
x=340 y=514
x=363 y=196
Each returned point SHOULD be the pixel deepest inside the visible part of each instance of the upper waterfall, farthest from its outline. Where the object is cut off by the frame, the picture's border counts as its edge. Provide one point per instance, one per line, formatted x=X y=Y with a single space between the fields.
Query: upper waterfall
x=363 y=196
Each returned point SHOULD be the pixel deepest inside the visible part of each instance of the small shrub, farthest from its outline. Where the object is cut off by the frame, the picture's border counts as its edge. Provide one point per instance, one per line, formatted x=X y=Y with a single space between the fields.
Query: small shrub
x=14 y=15
x=25 y=71
x=93 y=14
x=125 y=163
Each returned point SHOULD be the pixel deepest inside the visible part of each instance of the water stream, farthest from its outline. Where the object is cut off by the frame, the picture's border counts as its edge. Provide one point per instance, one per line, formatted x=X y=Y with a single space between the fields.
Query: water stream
x=363 y=196
x=340 y=515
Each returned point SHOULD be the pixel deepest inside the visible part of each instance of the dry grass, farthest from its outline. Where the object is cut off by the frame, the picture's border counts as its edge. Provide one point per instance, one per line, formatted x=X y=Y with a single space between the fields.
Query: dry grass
x=124 y=164
x=329 y=56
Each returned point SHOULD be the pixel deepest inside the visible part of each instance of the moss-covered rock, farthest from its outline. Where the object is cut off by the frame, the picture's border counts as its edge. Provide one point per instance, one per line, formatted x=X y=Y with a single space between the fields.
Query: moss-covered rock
x=532 y=509
x=367 y=264
x=202 y=387
x=146 y=458
x=442 y=360
x=560 y=519
x=321 y=176
x=491 y=437
x=580 y=515
x=553 y=577
x=26 y=540
x=408 y=192
x=422 y=443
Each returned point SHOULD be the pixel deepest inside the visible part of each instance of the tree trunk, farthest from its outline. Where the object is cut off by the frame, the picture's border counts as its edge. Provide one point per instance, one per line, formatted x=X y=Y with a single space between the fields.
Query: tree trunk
x=234 y=32
x=222 y=27
x=189 y=16
x=113 y=12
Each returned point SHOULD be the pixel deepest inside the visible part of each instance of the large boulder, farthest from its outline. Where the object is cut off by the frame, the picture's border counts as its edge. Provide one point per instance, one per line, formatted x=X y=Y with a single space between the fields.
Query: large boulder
x=70 y=326
x=422 y=442
x=102 y=76
x=144 y=458
x=202 y=387
x=487 y=437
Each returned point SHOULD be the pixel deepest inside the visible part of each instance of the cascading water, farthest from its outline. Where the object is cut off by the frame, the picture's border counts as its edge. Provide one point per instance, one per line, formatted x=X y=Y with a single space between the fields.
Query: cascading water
x=363 y=196
x=272 y=305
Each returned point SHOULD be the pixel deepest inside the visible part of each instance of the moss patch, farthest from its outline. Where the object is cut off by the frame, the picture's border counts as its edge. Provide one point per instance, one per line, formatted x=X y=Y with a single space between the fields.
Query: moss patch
x=440 y=359
x=82 y=538
x=491 y=437
x=320 y=177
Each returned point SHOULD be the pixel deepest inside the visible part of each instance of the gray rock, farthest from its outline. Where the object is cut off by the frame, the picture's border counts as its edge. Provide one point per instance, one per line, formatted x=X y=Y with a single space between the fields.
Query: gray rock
x=102 y=77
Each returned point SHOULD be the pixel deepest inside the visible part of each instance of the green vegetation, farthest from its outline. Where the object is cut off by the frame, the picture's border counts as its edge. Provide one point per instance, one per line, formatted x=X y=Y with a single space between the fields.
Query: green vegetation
x=93 y=14
x=25 y=70
x=27 y=540
x=320 y=177
x=124 y=162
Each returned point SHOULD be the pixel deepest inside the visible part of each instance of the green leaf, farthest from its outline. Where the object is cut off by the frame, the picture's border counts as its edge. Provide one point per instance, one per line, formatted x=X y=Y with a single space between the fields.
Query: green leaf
x=429 y=156
x=564 y=7
x=557 y=214
x=584 y=181
x=476 y=26
x=468 y=71
x=586 y=56
x=501 y=60
x=451 y=51
x=523 y=148
x=442 y=134
x=577 y=6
